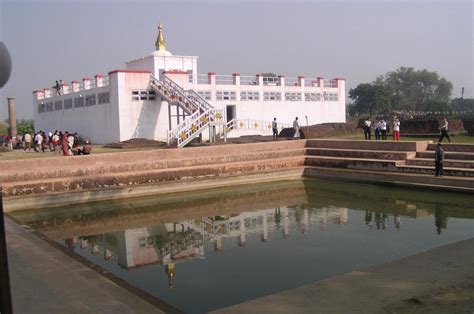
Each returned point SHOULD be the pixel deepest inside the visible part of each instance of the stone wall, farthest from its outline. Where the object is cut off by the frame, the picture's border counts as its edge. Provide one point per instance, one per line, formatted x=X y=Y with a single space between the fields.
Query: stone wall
x=321 y=130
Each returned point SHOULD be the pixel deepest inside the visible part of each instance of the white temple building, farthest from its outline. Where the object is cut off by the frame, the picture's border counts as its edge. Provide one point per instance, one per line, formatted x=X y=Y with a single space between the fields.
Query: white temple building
x=162 y=97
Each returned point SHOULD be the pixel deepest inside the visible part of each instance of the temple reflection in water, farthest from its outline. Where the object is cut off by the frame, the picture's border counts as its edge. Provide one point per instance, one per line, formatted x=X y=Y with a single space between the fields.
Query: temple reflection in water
x=214 y=243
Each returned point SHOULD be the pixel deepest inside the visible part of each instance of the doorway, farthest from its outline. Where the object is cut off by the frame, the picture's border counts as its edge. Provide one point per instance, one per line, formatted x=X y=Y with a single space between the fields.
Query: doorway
x=230 y=112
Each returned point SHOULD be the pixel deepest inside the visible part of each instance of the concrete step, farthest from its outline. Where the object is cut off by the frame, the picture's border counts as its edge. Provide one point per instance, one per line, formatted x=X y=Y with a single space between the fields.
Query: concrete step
x=451 y=147
x=429 y=162
x=394 y=178
x=148 y=155
x=352 y=163
x=368 y=145
x=140 y=165
x=447 y=155
x=430 y=170
x=124 y=180
x=354 y=153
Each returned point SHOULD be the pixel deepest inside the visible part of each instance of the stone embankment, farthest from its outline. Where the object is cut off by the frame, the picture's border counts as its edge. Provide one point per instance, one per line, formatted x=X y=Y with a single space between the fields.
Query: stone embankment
x=60 y=181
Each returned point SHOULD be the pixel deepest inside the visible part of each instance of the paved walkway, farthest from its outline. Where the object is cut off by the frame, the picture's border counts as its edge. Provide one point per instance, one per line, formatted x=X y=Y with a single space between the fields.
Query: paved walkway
x=436 y=281
x=45 y=280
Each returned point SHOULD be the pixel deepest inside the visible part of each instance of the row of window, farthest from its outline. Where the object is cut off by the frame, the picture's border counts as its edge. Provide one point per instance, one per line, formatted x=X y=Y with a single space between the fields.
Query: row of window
x=143 y=95
x=269 y=96
x=77 y=102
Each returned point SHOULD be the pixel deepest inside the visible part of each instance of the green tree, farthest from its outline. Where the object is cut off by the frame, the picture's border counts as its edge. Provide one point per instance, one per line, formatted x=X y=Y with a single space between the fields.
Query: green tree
x=370 y=99
x=411 y=89
x=462 y=104
x=24 y=126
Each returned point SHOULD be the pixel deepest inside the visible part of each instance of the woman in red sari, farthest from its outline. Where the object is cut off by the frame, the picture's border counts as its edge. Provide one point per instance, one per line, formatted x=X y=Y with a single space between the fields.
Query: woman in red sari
x=65 y=145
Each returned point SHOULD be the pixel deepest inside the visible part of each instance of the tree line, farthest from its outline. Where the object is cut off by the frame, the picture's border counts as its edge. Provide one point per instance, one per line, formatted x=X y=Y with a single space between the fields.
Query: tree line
x=405 y=89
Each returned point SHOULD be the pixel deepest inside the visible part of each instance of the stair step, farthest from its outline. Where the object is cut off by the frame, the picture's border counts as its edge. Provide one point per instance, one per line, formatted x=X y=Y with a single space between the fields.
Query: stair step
x=448 y=171
x=359 y=153
x=74 y=171
x=447 y=155
x=452 y=163
x=352 y=163
x=368 y=145
x=451 y=147
x=129 y=179
x=416 y=179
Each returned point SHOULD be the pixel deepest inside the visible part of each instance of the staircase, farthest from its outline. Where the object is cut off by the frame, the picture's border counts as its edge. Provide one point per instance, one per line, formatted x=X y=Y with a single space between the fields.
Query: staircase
x=201 y=114
x=388 y=161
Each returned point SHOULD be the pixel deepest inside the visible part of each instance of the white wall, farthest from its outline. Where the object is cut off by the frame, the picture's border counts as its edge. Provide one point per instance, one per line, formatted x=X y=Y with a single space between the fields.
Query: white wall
x=143 y=118
x=98 y=123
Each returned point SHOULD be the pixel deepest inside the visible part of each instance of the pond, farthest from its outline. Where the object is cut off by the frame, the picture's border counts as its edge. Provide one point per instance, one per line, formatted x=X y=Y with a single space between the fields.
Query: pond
x=206 y=250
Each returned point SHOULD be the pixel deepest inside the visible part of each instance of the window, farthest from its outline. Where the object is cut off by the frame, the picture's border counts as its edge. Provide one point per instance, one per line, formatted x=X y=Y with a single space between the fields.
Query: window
x=225 y=95
x=58 y=105
x=90 y=100
x=41 y=107
x=205 y=94
x=78 y=102
x=67 y=103
x=49 y=106
x=249 y=96
x=293 y=96
x=103 y=98
x=143 y=95
x=312 y=96
x=330 y=96
x=267 y=96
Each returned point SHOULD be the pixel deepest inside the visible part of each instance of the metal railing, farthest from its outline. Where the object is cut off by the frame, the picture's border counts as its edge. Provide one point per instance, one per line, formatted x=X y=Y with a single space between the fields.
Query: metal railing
x=203 y=79
x=79 y=87
x=251 y=124
x=248 y=80
x=311 y=82
x=330 y=83
x=224 y=80
x=187 y=130
x=292 y=81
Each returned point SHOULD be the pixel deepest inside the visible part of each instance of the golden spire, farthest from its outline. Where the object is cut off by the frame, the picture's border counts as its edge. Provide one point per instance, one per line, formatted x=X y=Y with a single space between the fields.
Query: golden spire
x=160 y=41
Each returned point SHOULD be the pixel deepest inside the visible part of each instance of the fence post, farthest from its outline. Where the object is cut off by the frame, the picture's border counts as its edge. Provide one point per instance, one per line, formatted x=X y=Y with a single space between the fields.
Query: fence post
x=6 y=304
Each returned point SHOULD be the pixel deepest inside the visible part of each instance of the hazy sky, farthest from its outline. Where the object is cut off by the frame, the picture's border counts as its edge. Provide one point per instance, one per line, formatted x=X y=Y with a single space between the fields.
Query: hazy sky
x=357 y=40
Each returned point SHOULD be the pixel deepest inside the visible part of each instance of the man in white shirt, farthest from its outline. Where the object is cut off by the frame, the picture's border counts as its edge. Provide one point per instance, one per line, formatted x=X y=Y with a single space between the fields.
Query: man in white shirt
x=444 y=132
x=275 y=129
x=367 y=132
x=39 y=142
x=296 y=127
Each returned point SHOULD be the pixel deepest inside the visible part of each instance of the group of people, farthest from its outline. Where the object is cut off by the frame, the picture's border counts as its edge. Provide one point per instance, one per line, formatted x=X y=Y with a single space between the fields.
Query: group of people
x=296 y=128
x=59 y=87
x=66 y=143
x=381 y=129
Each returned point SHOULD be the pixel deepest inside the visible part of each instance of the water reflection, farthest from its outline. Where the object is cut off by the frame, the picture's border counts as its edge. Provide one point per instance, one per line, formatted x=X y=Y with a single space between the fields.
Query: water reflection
x=215 y=243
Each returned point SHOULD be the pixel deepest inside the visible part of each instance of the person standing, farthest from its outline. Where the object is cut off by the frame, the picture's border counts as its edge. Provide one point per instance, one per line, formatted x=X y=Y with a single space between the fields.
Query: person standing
x=444 y=132
x=39 y=142
x=367 y=132
x=27 y=139
x=377 y=130
x=396 y=129
x=58 y=88
x=296 y=127
x=383 y=129
x=55 y=140
x=439 y=158
x=275 y=129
